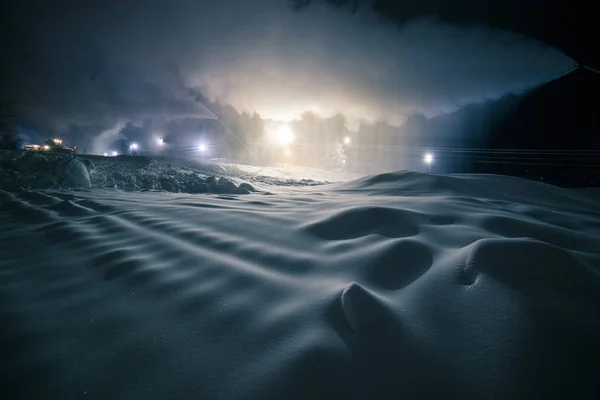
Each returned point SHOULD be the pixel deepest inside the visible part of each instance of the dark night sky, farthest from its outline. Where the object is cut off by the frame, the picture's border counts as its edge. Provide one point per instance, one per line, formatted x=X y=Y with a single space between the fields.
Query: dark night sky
x=569 y=25
x=94 y=64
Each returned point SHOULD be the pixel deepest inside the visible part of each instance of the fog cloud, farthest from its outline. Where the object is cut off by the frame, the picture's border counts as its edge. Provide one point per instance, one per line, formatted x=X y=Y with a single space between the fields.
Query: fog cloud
x=102 y=63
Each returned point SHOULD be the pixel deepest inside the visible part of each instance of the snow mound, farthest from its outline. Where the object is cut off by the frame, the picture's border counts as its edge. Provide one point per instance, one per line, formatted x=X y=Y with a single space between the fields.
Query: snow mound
x=399 y=285
x=473 y=186
x=36 y=170
x=74 y=173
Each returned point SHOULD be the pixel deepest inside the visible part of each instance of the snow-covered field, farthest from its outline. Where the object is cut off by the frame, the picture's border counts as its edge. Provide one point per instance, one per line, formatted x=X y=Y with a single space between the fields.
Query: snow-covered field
x=401 y=285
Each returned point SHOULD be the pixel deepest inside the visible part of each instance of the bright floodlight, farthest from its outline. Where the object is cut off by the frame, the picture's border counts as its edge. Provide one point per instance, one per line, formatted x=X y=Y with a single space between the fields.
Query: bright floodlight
x=347 y=140
x=202 y=147
x=114 y=153
x=105 y=154
x=284 y=135
x=428 y=158
x=133 y=146
x=161 y=141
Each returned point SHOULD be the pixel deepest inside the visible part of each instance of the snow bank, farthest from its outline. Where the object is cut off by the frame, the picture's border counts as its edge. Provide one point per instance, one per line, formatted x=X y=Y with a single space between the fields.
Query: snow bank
x=53 y=171
x=400 y=285
x=141 y=173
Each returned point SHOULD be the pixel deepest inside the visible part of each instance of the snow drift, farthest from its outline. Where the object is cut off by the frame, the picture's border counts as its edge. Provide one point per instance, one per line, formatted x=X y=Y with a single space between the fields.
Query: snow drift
x=400 y=285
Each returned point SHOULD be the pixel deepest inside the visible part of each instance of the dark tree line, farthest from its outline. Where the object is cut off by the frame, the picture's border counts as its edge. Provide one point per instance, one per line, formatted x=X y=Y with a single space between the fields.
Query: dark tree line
x=9 y=139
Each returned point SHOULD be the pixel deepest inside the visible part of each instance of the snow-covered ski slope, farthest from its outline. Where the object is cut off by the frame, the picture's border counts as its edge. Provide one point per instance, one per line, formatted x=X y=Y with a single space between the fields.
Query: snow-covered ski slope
x=400 y=285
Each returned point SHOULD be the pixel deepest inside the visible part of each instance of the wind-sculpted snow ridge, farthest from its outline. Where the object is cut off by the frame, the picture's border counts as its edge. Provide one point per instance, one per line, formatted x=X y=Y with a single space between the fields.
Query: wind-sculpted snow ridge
x=400 y=285
x=489 y=188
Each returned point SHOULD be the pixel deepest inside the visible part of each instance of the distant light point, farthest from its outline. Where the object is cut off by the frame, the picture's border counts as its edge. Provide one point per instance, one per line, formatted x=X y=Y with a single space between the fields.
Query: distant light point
x=428 y=158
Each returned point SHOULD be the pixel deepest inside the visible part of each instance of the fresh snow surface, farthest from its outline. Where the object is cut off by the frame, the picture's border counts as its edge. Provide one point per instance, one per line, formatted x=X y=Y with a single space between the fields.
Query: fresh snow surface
x=292 y=175
x=395 y=286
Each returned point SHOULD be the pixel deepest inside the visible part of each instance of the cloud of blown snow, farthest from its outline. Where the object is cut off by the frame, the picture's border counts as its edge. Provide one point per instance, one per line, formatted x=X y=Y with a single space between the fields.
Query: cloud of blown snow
x=101 y=142
x=98 y=62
